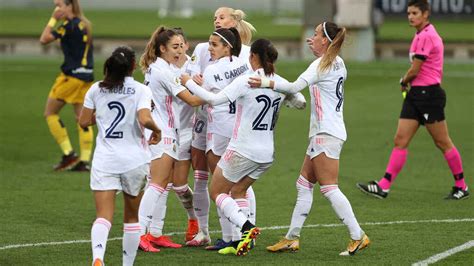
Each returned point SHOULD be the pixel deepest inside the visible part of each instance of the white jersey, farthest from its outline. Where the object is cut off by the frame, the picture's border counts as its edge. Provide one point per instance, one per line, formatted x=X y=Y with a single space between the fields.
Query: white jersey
x=165 y=85
x=201 y=58
x=216 y=77
x=185 y=111
x=256 y=117
x=120 y=144
x=327 y=98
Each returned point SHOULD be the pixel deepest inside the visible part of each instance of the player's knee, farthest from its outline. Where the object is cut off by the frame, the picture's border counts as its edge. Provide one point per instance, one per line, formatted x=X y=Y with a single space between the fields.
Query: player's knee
x=443 y=144
x=400 y=141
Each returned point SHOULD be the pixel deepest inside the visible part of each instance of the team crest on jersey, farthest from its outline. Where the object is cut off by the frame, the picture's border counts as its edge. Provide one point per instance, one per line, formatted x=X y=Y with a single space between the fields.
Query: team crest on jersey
x=193 y=59
x=176 y=80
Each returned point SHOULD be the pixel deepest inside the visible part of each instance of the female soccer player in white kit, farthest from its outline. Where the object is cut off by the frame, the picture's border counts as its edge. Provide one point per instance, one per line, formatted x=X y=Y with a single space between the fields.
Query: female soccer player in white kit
x=163 y=51
x=180 y=172
x=250 y=151
x=224 y=17
x=121 y=108
x=224 y=47
x=325 y=78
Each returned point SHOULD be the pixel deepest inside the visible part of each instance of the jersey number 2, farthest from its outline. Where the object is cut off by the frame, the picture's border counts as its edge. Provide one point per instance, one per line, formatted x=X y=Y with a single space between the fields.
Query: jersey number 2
x=257 y=123
x=109 y=132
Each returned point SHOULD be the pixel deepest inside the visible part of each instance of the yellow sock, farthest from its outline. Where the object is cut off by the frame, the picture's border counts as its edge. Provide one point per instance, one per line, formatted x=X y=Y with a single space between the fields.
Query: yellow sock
x=85 y=142
x=59 y=132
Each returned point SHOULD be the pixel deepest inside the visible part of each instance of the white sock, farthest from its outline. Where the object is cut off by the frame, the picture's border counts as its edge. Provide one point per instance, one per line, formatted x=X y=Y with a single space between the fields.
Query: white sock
x=159 y=214
x=185 y=196
x=147 y=205
x=302 y=208
x=99 y=234
x=131 y=239
x=230 y=209
x=201 y=200
x=244 y=207
x=226 y=226
x=252 y=201
x=343 y=209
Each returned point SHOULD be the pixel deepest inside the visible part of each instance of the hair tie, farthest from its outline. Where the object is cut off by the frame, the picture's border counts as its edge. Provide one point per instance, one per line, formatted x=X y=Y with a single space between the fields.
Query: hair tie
x=222 y=37
x=326 y=33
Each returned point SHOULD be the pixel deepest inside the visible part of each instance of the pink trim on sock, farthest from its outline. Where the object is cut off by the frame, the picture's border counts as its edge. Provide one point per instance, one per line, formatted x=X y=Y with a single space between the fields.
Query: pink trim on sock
x=103 y=222
x=304 y=182
x=156 y=187
x=131 y=228
x=242 y=203
x=328 y=188
x=220 y=198
x=168 y=187
x=181 y=190
x=395 y=164
x=199 y=174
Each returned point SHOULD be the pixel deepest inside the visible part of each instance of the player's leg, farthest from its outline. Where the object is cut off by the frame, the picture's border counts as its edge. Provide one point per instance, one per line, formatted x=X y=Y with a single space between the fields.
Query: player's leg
x=440 y=135
x=405 y=132
x=105 y=205
x=160 y=169
x=185 y=196
x=59 y=132
x=304 y=200
x=131 y=228
x=86 y=137
x=326 y=170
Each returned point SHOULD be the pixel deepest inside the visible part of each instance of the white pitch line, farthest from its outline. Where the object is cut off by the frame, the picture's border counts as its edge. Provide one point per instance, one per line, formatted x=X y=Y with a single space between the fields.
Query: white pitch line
x=445 y=254
x=261 y=228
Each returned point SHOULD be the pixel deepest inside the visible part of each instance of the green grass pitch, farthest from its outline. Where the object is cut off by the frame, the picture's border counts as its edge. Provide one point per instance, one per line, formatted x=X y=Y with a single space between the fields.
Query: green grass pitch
x=40 y=206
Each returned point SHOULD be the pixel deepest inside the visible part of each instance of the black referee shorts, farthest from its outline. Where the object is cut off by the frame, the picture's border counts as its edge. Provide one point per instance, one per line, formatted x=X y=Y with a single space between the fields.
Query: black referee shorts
x=424 y=104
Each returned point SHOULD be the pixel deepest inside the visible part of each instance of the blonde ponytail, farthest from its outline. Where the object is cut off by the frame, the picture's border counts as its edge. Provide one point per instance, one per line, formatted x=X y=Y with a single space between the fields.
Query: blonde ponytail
x=77 y=11
x=337 y=36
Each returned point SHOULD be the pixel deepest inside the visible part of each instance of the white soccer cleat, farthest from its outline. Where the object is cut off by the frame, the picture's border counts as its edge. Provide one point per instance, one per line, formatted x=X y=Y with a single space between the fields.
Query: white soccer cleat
x=199 y=240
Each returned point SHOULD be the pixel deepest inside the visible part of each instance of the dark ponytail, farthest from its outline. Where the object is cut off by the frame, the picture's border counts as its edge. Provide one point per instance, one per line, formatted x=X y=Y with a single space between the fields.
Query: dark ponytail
x=233 y=37
x=267 y=54
x=119 y=65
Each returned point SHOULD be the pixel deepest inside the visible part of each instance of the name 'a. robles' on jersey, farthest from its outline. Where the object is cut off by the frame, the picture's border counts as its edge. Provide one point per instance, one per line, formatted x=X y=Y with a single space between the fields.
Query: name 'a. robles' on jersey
x=165 y=85
x=120 y=143
x=256 y=116
x=327 y=98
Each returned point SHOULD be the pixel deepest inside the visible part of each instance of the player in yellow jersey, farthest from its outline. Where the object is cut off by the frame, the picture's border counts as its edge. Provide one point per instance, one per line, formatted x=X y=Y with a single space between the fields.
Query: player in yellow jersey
x=68 y=24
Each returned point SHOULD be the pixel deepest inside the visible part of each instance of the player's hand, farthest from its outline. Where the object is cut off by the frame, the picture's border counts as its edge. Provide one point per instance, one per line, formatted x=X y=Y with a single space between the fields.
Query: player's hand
x=155 y=138
x=198 y=79
x=184 y=78
x=255 y=82
x=57 y=13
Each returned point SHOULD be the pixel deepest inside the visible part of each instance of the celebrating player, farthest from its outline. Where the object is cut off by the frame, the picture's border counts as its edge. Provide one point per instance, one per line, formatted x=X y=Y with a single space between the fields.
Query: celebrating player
x=121 y=108
x=250 y=150
x=424 y=105
x=179 y=174
x=224 y=18
x=74 y=31
x=325 y=78
x=161 y=54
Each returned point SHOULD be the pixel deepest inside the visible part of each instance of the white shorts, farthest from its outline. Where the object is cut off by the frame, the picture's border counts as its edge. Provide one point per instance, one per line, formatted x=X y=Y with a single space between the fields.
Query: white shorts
x=328 y=144
x=199 y=132
x=235 y=167
x=184 y=147
x=130 y=182
x=217 y=143
x=166 y=145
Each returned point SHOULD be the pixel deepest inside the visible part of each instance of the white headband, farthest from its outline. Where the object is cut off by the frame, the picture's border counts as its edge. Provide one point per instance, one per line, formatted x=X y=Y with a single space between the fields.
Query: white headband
x=223 y=38
x=326 y=33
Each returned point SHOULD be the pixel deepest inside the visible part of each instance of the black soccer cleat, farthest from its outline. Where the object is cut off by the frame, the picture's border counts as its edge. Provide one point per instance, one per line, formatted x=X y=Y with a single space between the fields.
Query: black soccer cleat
x=66 y=162
x=457 y=193
x=81 y=166
x=372 y=189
